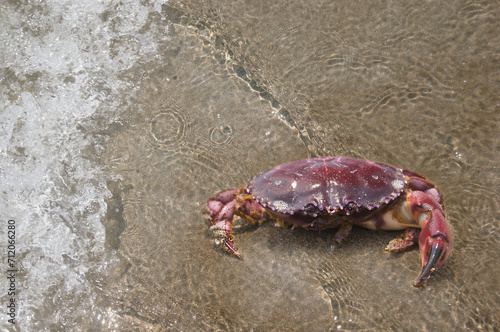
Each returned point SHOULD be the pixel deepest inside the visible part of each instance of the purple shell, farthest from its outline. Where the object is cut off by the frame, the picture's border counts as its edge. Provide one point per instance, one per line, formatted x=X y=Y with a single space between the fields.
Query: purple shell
x=327 y=184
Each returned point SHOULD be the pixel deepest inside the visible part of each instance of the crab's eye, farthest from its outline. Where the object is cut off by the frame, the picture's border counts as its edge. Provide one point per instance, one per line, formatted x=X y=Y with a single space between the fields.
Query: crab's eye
x=310 y=208
x=351 y=207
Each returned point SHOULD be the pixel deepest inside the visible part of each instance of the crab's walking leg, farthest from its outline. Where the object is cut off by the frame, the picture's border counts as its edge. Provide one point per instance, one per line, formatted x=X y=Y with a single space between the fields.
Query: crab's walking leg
x=402 y=244
x=436 y=236
x=342 y=232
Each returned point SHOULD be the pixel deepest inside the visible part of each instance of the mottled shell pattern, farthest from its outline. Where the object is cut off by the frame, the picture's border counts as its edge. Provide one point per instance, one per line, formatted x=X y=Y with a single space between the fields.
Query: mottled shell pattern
x=327 y=185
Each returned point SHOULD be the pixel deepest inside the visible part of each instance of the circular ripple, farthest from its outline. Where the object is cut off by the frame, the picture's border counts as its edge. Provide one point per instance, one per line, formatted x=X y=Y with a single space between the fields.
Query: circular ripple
x=221 y=134
x=169 y=128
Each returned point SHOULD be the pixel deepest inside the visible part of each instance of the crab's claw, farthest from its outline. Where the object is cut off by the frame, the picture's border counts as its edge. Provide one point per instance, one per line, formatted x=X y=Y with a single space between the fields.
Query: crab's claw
x=220 y=212
x=436 y=236
x=225 y=241
x=435 y=243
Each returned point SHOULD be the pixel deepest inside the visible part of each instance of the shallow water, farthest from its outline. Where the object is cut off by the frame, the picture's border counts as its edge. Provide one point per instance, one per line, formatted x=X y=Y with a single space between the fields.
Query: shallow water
x=119 y=121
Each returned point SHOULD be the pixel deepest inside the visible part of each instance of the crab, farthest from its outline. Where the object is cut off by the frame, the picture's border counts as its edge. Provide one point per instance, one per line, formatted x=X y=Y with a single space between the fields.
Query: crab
x=339 y=192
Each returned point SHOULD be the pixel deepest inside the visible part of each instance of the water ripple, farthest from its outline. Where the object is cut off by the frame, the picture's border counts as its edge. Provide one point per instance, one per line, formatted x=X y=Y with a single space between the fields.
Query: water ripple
x=169 y=128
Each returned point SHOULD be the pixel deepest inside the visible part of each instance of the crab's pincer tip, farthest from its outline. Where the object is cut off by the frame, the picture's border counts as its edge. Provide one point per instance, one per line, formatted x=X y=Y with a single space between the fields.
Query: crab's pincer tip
x=231 y=249
x=434 y=257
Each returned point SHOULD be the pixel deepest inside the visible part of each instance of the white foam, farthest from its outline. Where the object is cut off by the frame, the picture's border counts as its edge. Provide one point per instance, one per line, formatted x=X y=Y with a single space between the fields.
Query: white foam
x=61 y=69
